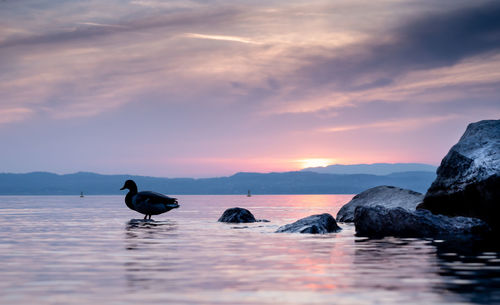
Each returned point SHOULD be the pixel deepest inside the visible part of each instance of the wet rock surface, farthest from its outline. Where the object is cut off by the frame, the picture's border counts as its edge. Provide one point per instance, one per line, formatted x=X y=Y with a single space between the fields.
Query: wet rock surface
x=379 y=221
x=237 y=215
x=468 y=179
x=387 y=196
x=314 y=224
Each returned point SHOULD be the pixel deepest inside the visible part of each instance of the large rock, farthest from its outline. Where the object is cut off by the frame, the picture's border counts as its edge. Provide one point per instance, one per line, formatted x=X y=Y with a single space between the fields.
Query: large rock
x=379 y=221
x=237 y=215
x=314 y=224
x=387 y=196
x=468 y=179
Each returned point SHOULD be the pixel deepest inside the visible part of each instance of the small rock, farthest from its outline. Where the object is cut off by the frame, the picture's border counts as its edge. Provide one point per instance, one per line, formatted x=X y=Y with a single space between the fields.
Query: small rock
x=237 y=215
x=315 y=224
x=387 y=196
x=379 y=221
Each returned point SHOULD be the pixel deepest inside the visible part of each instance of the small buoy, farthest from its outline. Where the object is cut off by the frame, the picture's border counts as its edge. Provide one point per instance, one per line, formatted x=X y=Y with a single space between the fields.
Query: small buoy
x=81 y=195
x=249 y=195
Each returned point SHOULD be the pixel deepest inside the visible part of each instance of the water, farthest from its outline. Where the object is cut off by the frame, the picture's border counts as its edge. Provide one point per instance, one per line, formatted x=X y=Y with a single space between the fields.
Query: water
x=71 y=250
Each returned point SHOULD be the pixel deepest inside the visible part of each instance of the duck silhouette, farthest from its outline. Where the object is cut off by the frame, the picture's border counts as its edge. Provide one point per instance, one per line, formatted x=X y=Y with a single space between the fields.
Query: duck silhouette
x=147 y=203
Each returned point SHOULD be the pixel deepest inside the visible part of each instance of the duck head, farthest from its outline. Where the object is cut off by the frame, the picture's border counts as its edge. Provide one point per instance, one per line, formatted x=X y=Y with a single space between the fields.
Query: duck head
x=130 y=184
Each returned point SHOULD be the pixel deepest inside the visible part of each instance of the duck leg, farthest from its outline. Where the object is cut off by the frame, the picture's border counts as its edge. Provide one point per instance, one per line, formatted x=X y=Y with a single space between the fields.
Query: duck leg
x=149 y=217
x=145 y=217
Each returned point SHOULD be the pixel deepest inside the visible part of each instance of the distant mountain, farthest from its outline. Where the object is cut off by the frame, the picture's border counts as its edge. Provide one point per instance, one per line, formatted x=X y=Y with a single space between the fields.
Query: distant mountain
x=373 y=169
x=303 y=182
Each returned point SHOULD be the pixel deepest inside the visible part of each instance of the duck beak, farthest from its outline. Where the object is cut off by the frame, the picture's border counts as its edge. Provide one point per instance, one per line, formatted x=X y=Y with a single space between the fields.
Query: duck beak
x=173 y=205
x=122 y=188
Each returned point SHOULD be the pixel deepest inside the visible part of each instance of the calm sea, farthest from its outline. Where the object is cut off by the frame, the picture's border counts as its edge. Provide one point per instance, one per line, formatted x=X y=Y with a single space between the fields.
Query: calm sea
x=71 y=250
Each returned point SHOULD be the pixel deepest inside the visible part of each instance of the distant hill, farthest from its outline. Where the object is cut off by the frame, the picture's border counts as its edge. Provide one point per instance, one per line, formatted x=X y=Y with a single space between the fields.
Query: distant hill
x=373 y=169
x=303 y=182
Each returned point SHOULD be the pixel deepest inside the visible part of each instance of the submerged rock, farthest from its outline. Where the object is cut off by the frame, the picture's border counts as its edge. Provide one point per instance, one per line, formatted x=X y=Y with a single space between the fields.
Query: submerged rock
x=237 y=215
x=387 y=196
x=468 y=179
x=379 y=221
x=314 y=224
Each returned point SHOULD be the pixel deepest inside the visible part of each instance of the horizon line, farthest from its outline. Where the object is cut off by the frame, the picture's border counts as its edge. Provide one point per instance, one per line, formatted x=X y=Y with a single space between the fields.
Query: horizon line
x=221 y=176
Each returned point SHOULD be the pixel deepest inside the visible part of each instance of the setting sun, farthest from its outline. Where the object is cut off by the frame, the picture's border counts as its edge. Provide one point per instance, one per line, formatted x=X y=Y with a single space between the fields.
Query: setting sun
x=315 y=162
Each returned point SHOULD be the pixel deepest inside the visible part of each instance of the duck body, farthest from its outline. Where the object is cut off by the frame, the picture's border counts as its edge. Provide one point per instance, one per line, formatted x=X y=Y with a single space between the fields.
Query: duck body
x=146 y=202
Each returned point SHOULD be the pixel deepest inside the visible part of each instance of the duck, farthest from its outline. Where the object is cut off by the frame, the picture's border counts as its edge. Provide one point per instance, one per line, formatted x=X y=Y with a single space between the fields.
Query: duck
x=147 y=202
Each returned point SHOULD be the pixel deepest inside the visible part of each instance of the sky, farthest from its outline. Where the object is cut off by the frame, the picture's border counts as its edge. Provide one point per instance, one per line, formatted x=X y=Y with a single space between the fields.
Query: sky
x=211 y=88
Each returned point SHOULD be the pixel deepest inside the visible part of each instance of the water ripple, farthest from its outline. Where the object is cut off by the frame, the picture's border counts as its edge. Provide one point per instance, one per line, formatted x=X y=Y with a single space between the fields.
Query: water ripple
x=71 y=250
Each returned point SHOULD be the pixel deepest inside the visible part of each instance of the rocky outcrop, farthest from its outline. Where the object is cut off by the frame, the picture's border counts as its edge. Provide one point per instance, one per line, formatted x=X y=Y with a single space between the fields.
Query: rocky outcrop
x=468 y=179
x=315 y=224
x=237 y=215
x=387 y=196
x=379 y=221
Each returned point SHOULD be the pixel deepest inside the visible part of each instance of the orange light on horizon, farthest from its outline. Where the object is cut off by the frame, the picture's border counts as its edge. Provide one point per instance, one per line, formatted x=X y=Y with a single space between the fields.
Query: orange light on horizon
x=315 y=162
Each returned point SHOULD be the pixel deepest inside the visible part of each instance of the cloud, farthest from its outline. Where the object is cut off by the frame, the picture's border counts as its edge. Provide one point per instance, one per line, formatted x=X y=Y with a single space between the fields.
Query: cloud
x=427 y=42
x=102 y=24
x=243 y=85
x=149 y=22
x=220 y=37
x=438 y=56
x=14 y=114
x=303 y=67
x=400 y=125
x=96 y=67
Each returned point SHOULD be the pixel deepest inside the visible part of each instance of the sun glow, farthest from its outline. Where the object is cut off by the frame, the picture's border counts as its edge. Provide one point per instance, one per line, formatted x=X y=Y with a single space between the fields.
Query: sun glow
x=315 y=162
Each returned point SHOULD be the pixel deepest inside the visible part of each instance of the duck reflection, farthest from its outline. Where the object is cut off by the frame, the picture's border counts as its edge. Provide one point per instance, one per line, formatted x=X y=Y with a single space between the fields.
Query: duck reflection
x=141 y=233
x=149 y=223
x=150 y=245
